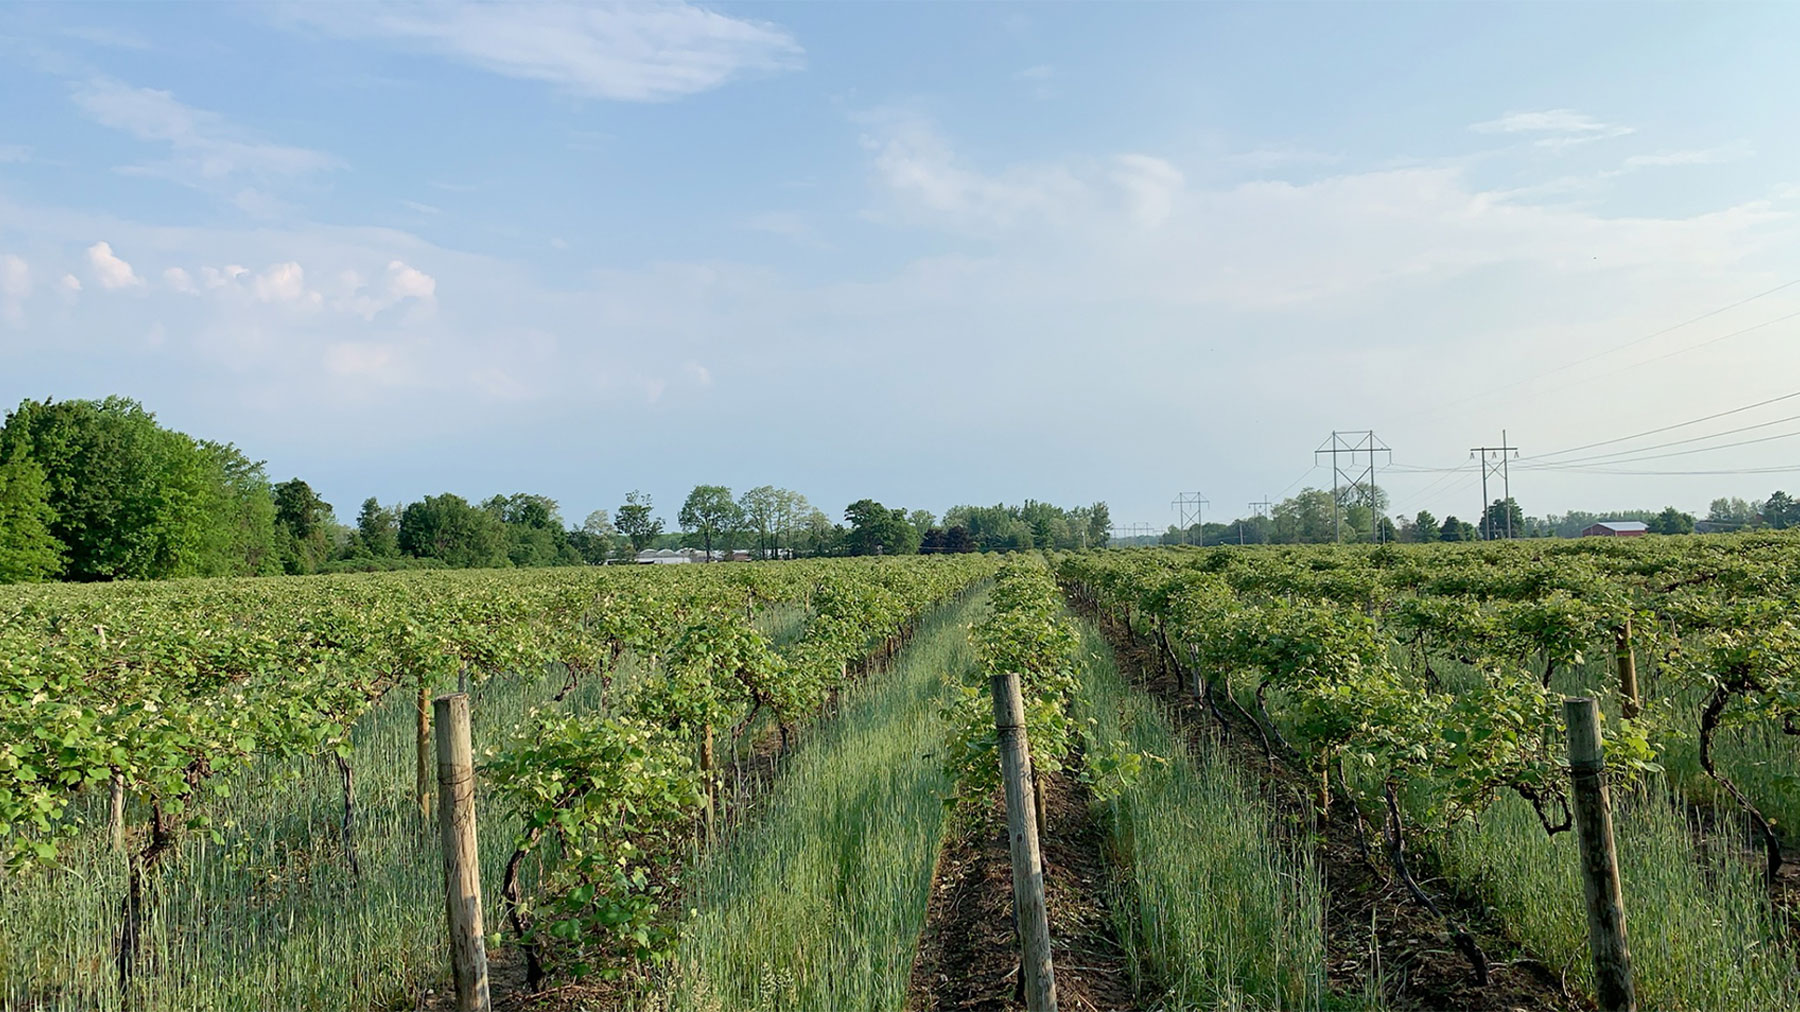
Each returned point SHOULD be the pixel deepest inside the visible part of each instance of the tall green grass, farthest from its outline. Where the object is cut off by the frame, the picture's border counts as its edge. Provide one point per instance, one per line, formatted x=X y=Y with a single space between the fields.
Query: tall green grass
x=1211 y=904
x=817 y=902
x=271 y=918
x=1702 y=931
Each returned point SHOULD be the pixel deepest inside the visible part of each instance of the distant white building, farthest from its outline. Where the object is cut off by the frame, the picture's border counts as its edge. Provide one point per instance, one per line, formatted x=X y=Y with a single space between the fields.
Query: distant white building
x=676 y=556
x=1616 y=529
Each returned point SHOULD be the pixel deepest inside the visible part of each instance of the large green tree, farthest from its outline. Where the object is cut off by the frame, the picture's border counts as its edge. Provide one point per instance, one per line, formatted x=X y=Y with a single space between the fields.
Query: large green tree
x=1307 y=518
x=710 y=515
x=305 y=522
x=130 y=497
x=1780 y=511
x=761 y=510
x=28 y=551
x=1099 y=525
x=445 y=527
x=378 y=529
x=1504 y=519
x=877 y=530
x=635 y=522
x=1672 y=521
x=534 y=530
x=240 y=537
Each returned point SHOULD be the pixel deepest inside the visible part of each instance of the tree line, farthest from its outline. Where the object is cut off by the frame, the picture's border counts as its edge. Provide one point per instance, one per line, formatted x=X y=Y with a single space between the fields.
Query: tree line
x=1356 y=513
x=98 y=490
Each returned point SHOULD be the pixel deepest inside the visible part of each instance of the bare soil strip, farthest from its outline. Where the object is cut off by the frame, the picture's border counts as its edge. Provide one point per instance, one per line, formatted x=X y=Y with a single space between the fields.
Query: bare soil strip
x=1377 y=938
x=969 y=956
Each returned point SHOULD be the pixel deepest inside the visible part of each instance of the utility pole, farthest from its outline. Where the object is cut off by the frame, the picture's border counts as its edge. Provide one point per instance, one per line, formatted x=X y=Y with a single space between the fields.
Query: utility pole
x=1181 y=503
x=1257 y=509
x=1494 y=461
x=1361 y=441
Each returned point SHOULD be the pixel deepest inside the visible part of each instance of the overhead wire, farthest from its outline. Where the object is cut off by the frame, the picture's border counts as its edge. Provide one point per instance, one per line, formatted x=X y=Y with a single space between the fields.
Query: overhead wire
x=1534 y=463
x=1667 y=428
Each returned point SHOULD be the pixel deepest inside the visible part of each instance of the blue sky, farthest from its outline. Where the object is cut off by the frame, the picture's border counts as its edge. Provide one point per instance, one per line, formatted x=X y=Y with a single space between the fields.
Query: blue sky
x=929 y=253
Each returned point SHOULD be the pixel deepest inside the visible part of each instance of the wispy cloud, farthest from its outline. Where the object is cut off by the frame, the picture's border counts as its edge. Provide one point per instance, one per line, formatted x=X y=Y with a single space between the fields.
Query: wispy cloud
x=630 y=52
x=1553 y=127
x=206 y=150
x=14 y=153
x=1694 y=156
x=914 y=162
x=422 y=208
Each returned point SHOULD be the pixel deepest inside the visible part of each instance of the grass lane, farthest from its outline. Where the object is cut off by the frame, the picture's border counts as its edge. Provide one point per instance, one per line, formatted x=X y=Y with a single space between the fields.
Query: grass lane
x=817 y=902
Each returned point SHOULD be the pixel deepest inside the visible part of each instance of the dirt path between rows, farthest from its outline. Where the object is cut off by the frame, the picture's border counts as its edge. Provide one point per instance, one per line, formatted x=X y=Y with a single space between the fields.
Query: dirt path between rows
x=968 y=959
x=1377 y=938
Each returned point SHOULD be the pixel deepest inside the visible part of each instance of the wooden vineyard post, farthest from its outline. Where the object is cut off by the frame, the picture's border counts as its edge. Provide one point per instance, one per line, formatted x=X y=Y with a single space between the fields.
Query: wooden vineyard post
x=462 y=869
x=1033 y=921
x=1599 y=860
x=1632 y=704
x=422 y=746
x=115 y=820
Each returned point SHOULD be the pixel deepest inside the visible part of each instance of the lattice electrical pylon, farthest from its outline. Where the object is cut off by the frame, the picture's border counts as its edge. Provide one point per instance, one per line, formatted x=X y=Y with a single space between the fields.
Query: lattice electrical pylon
x=1494 y=462
x=1189 y=506
x=1351 y=444
x=1259 y=508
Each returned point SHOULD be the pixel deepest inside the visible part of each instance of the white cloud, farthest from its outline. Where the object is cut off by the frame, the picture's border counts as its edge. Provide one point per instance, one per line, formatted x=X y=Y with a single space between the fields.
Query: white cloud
x=12 y=154
x=179 y=280
x=70 y=284
x=207 y=151
x=633 y=52
x=284 y=282
x=109 y=269
x=1558 y=127
x=407 y=282
x=219 y=277
x=700 y=374
x=422 y=208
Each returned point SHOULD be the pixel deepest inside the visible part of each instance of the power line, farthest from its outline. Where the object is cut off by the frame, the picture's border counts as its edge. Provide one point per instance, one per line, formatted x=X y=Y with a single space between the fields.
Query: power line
x=1633 y=343
x=1783 y=469
x=1668 y=428
x=1658 y=446
x=1682 y=453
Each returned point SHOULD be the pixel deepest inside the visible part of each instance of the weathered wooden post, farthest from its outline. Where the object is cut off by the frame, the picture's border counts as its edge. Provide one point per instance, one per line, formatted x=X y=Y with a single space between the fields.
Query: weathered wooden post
x=462 y=869
x=422 y=751
x=1632 y=704
x=1599 y=860
x=115 y=817
x=1033 y=921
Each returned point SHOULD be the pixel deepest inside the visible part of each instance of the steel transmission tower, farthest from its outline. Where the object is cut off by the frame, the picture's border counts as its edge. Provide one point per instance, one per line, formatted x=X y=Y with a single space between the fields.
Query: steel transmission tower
x=1190 y=506
x=1259 y=508
x=1351 y=444
x=1494 y=461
